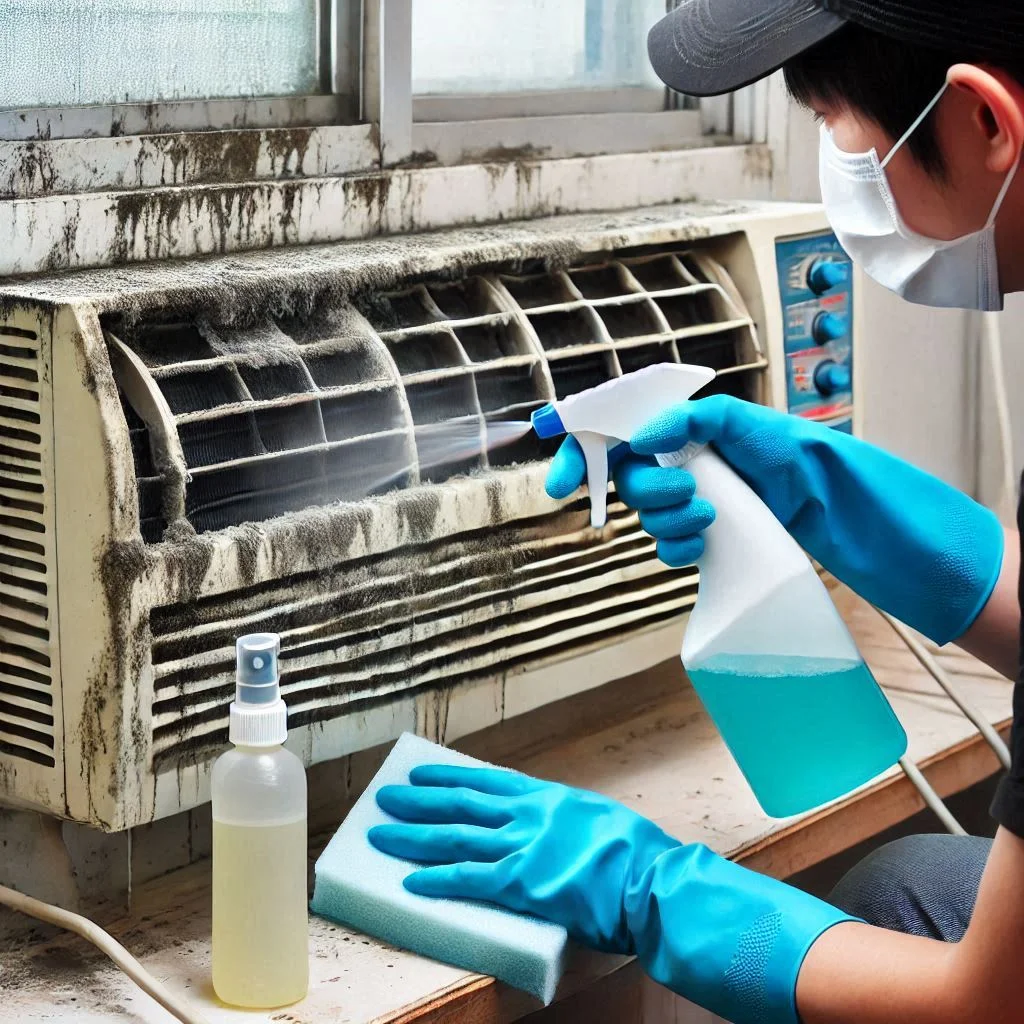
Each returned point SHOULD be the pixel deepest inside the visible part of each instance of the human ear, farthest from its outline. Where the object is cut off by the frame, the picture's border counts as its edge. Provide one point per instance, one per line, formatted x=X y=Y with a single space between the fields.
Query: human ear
x=998 y=112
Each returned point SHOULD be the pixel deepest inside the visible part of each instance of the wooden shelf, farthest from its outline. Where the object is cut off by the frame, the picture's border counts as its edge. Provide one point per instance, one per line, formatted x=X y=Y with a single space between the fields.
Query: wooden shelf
x=644 y=741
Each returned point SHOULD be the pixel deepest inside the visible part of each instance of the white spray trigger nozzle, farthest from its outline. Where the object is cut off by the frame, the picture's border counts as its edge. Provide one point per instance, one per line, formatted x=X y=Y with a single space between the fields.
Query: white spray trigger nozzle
x=613 y=412
x=595 y=452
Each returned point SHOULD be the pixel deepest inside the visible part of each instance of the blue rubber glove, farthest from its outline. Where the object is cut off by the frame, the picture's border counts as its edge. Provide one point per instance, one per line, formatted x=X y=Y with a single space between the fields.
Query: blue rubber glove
x=907 y=542
x=665 y=499
x=723 y=937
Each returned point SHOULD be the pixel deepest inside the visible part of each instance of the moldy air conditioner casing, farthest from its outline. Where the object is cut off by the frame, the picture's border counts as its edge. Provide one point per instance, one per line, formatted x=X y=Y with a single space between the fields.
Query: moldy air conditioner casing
x=192 y=451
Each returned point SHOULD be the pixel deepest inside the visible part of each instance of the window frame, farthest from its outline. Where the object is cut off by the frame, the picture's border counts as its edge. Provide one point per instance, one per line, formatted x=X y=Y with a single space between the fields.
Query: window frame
x=88 y=187
x=564 y=123
x=537 y=103
x=353 y=80
x=339 y=30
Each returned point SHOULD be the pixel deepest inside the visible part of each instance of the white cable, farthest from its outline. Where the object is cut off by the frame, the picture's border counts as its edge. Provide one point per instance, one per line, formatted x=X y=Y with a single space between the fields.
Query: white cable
x=177 y=1006
x=931 y=798
x=992 y=341
x=991 y=337
x=939 y=674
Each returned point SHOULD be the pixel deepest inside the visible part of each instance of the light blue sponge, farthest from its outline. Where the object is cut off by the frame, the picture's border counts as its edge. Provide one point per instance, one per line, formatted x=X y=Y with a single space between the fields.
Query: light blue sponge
x=361 y=887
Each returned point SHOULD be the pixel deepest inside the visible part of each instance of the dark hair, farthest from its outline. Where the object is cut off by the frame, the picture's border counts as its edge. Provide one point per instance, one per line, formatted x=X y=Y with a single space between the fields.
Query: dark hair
x=887 y=80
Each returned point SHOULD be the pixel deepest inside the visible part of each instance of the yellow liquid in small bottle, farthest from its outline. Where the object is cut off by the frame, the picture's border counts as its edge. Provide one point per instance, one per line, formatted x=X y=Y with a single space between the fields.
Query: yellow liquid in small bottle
x=260 y=923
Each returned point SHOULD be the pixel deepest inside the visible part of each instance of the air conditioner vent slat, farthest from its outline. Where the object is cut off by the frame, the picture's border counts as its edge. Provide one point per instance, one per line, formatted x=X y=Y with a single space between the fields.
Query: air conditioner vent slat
x=16 y=372
x=21 y=652
x=20 y=454
x=442 y=637
x=19 y=404
x=25 y=752
x=400 y=387
x=31 y=586
x=368 y=629
x=263 y=414
x=543 y=546
x=181 y=729
x=23 y=608
x=566 y=585
x=26 y=685
x=316 y=626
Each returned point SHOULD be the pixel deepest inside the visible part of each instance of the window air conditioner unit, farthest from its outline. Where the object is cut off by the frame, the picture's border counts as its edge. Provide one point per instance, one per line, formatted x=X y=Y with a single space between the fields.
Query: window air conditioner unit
x=297 y=441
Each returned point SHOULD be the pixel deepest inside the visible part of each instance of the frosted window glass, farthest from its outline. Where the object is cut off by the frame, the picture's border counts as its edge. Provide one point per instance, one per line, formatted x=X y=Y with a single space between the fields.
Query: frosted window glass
x=69 y=52
x=488 y=46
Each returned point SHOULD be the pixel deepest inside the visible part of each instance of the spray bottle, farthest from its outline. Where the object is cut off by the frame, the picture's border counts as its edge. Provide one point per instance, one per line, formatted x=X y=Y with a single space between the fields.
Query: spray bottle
x=260 y=925
x=765 y=648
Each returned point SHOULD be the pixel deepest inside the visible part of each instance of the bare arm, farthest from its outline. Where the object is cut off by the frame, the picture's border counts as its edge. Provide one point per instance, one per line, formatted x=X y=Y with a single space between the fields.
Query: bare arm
x=994 y=637
x=856 y=974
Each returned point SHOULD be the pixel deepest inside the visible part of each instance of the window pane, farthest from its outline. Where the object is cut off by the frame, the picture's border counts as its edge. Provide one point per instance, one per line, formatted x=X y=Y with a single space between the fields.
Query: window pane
x=69 y=52
x=488 y=46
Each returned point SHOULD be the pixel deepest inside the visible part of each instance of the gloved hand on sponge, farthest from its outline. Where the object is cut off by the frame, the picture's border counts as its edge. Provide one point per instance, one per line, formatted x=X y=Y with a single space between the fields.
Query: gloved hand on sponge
x=718 y=934
x=903 y=539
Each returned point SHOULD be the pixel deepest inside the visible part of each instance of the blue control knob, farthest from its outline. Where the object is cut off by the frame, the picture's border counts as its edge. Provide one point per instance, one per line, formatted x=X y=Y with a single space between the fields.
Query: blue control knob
x=827 y=327
x=831 y=378
x=824 y=275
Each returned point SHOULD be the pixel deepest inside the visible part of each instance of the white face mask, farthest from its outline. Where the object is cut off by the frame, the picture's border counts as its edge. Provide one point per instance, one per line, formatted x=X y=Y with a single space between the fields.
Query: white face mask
x=859 y=203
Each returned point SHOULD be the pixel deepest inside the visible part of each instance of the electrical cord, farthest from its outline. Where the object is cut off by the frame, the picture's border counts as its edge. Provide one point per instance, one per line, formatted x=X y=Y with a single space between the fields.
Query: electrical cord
x=927 y=792
x=992 y=339
x=939 y=674
x=931 y=798
x=177 y=1006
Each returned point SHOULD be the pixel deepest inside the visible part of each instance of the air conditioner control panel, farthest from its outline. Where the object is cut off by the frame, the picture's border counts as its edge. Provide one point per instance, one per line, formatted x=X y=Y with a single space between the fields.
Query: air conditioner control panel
x=816 y=288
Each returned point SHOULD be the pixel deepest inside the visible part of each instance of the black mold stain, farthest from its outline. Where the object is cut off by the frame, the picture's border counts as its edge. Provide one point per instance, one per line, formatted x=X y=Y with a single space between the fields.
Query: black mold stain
x=34 y=172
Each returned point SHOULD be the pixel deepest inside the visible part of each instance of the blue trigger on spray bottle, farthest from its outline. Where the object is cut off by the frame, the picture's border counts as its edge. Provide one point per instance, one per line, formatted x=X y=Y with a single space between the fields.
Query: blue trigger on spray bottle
x=765 y=648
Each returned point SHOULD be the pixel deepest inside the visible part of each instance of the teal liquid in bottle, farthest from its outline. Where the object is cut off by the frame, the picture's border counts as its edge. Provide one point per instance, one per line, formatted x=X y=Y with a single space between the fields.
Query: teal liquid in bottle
x=766 y=649
x=804 y=731
x=774 y=662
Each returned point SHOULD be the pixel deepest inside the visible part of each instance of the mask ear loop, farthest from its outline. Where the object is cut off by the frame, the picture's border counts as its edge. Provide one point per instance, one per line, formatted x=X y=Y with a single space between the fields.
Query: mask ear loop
x=917 y=124
x=1002 y=191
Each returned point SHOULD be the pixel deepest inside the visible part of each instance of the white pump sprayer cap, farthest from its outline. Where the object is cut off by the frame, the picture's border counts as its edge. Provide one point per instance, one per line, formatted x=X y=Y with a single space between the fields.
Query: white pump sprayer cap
x=258 y=716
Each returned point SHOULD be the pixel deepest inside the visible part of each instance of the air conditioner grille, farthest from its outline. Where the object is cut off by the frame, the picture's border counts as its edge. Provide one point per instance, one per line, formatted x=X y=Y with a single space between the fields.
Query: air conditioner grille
x=409 y=386
x=26 y=683
x=366 y=631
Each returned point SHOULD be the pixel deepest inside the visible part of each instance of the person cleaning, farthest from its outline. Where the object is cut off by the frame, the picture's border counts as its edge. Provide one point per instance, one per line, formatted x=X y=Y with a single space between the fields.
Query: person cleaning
x=921 y=104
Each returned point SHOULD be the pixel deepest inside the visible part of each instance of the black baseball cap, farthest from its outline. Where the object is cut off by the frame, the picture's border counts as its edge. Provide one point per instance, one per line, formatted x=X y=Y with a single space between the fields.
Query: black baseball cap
x=707 y=47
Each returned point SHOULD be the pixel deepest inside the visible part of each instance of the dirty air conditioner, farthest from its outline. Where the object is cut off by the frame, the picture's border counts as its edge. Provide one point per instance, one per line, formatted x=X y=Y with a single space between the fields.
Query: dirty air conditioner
x=305 y=441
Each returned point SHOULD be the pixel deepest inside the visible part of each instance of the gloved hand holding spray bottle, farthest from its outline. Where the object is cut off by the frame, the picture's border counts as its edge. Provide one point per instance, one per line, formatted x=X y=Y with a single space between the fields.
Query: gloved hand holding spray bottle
x=783 y=679
x=766 y=649
x=768 y=654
